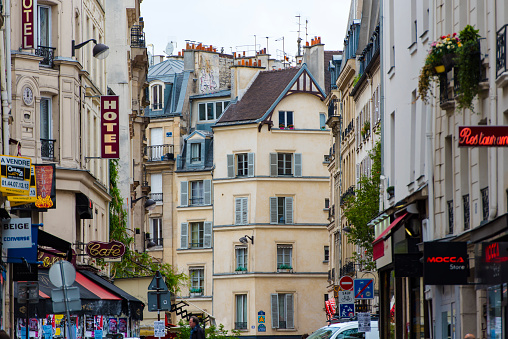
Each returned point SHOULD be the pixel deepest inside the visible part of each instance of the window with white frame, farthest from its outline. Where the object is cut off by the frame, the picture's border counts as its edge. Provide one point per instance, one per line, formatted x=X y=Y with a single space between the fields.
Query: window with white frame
x=195 y=149
x=241 y=258
x=281 y=210
x=241 y=211
x=197 y=280
x=240 y=165
x=156 y=235
x=46 y=129
x=284 y=257
x=196 y=193
x=241 y=312
x=286 y=120
x=209 y=111
x=286 y=164
x=195 y=235
x=44 y=31
x=282 y=305
x=157 y=99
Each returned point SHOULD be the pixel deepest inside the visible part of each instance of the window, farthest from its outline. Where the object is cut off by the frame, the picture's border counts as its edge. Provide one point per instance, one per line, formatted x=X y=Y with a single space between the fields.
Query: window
x=46 y=129
x=244 y=165
x=327 y=253
x=284 y=257
x=322 y=121
x=281 y=210
x=196 y=235
x=241 y=208
x=157 y=231
x=209 y=111
x=197 y=279
x=282 y=310
x=327 y=203
x=195 y=153
x=157 y=98
x=286 y=120
x=44 y=32
x=196 y=193
x=156 y=184
x=241 y=258
x=286 y=164
x=241 y=312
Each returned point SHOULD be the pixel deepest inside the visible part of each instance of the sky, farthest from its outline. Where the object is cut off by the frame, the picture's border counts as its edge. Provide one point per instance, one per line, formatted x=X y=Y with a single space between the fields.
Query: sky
x=237 y=25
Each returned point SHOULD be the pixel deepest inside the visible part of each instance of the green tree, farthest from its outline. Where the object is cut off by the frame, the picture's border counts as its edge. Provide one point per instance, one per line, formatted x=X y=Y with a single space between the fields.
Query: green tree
x=361 y=208
x=133 y=264
x=211 y=332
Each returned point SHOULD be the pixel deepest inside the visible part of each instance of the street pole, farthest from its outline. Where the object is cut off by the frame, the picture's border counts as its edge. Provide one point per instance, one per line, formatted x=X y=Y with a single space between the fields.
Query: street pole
x=64 y=287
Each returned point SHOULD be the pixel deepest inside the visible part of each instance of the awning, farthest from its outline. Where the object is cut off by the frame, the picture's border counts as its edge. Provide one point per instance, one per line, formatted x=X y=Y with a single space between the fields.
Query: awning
x=49 y=240
x=378 y=249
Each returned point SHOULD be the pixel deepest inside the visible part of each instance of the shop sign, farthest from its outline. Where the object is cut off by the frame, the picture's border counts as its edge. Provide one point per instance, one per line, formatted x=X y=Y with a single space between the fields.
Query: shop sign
x=110 y=142
x=17 y=233
x=483 y=136
x=17 y=200
x=48 y=257
x=445 y=263
x=15 y=175
x=99 y=249
x=45 y=189
x=491 y=265
x=27 y=23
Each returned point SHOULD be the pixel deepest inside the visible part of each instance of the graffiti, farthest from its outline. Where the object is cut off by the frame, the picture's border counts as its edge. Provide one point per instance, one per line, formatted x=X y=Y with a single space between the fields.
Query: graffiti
x=208 y=73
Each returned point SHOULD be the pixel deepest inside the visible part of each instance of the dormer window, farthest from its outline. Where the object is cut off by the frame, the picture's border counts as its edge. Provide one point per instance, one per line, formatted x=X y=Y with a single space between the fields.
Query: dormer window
x=157 y=98
x=209 y=111
x=195 y=153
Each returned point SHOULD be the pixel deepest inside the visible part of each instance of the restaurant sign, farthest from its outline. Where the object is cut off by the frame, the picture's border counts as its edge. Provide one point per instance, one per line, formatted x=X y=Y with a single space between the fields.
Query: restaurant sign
x=483 y=136
x=445 y=263
x=99 y=249
x=110 y=129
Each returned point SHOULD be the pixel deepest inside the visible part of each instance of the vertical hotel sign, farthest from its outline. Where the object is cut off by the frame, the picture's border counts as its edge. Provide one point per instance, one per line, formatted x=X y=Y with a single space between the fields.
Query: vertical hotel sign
x=27 y=23
x=110 y=143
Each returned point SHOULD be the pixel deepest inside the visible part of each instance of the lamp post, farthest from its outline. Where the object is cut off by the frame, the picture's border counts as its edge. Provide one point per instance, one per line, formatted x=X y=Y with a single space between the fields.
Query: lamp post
x=100 y=51
x=245 y=239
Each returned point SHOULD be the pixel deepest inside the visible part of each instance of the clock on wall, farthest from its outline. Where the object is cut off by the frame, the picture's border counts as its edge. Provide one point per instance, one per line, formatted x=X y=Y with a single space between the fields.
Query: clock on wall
x=28 y=96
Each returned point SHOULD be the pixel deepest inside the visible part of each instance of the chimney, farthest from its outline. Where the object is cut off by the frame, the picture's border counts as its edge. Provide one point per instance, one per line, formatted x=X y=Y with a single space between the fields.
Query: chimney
x=314 y=57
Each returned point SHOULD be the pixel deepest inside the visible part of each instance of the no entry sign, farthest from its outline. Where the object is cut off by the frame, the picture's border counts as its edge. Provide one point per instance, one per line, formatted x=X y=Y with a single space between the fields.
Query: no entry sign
x=346 y=283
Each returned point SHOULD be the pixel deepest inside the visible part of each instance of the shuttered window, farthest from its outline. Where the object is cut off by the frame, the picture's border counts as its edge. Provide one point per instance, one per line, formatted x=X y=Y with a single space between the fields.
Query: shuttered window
x=241 y=211
x=196 y=235
x=200 y=193
x=282 y=305
x=281 y=210
x=286 y=164
x=157 y=98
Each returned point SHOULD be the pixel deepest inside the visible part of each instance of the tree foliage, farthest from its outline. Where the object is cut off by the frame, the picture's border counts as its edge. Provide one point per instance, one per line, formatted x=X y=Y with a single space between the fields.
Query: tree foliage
x=361 y=208
x=211 y=332
x=133 y=264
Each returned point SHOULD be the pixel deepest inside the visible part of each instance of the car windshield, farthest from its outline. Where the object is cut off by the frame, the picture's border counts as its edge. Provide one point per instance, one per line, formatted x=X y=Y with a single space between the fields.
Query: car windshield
x=323 y=333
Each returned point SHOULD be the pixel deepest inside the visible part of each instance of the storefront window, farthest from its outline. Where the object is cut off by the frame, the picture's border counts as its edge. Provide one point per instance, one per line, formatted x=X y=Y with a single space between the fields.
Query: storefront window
x=494 y=317
x=446 y=320
x=417 y=299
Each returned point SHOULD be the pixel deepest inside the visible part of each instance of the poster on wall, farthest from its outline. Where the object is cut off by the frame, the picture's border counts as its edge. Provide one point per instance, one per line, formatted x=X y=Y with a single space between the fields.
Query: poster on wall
x=113 y=326
x=122 y=326
x=89 y=326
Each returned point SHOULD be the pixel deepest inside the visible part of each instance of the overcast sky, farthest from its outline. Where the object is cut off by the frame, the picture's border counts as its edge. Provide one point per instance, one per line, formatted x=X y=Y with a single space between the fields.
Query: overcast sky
x=232 y=24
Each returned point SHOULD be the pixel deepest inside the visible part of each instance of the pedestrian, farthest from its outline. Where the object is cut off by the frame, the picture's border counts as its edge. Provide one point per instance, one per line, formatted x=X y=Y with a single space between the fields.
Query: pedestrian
x=469 y=336
x=196 y=331
x=4 y=335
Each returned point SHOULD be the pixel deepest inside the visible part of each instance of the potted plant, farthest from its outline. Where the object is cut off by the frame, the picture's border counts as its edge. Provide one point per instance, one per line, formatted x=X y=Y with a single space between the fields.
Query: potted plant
x=241 y=269
x=284 y=268
x=291 y=126
x=468 y=67
x=196 y=292
x=391 y=191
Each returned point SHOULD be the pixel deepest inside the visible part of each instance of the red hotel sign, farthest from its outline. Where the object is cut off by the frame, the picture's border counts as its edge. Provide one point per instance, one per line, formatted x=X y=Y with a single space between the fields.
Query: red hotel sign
x=99 y=249
x=110 y=143
x=27 y=23
x=483 y=136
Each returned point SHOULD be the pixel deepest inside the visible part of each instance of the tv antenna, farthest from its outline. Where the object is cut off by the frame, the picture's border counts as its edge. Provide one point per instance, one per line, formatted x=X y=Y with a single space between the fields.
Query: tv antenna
x=169 y=48
x=299 y=40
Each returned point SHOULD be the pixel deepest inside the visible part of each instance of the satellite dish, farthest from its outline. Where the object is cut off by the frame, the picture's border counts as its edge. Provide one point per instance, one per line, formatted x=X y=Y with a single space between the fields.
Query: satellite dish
x=169 y=48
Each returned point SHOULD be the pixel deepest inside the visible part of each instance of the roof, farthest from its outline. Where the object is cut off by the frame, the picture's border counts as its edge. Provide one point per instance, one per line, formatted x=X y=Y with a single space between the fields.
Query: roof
x=329 y=56
x=164 y=70
x=223 y=93
x=262 y=94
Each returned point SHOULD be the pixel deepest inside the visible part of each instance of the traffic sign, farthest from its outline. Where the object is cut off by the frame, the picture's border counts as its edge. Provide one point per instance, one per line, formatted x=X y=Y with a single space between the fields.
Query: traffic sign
x=62 y=273
x=363 y=322
x=346 y=310
x=28 y=291
x=158 y=283
x=163 y=304
x=158 y=328
x=346 y=297
x=346 y=283
x=364 y=288
x=73 y=299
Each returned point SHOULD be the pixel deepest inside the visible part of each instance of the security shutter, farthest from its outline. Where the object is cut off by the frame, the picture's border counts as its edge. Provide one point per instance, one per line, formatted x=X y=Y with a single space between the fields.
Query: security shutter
x=298 y=164
x=273 y=210
x=231 y=165
x=208 y=191
x=250 y=159
x=207 y=241
x=238 y=211
x=275 y=310
x=184 y=193
x=184 y=231
x=273 y=164
x=290 y=322
x=288 y=209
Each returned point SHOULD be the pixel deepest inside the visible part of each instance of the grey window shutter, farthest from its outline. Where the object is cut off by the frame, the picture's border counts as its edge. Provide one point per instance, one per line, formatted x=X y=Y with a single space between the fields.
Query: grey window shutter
x=238 y=211
x=231 y=165
x=273 y=164
x=184 y=231
x=207 y=243
x=298 y=164
x=208 y=191
x=250 y=159
x=288 y=201
x=273 y=210
x=184 y=193
x=290 y=319
x=275 y=310
x=245 y=220
x=358 y=173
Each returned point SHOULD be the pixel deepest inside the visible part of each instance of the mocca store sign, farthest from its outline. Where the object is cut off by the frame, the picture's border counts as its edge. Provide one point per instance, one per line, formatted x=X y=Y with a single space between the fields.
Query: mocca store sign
x=445 y=263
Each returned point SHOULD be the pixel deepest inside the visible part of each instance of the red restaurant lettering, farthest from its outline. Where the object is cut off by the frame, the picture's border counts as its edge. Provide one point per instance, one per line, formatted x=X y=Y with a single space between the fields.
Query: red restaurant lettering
x=486 y=136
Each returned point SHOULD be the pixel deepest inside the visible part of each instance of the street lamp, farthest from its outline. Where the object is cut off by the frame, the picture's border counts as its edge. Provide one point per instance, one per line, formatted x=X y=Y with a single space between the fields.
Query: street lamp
x=100 y=51
x=244 y=240
x=149 y=203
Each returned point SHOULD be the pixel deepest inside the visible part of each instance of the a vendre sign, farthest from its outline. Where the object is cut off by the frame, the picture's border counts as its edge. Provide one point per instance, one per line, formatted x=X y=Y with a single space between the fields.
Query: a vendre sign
x=445 y=263
x=110 y=129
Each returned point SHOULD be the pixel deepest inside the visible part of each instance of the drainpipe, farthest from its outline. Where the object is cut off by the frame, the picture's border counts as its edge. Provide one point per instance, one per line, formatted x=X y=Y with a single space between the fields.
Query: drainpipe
x=493 y=110
x=7 y=95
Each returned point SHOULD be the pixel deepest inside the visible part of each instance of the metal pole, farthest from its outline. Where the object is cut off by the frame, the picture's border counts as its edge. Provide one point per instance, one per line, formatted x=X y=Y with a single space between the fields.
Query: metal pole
x=64 y=287
x=27 y=315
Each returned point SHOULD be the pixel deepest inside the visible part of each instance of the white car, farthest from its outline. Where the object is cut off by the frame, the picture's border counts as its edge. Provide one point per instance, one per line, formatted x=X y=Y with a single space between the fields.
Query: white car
x=346 y=330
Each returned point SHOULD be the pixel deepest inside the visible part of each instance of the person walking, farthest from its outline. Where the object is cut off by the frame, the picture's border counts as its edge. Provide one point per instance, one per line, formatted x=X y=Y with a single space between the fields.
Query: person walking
x=196 y=331
x=469 y=336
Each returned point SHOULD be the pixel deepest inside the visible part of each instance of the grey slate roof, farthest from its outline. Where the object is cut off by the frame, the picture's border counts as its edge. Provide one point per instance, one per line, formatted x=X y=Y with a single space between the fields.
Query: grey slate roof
x=163 y=71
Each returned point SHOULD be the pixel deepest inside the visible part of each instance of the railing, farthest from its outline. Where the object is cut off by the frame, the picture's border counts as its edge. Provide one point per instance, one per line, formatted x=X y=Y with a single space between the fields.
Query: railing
x=48 y=149
x=465 y=202
x=331 y=108
x=48 y=53
x=349 y=192
x=347 y=130
x=156 y=106
x=157 y=197
x=282 y=324
x=240 y=325
x=450 y=216
x=485 y=202
x=370 y=50
x=445 y=91
x=501 y=51
x=158 y=242
x=196 y=245
x=159 y=152
x=331 y=212
x=196 y=201
x=347 y=268
x=138 y=37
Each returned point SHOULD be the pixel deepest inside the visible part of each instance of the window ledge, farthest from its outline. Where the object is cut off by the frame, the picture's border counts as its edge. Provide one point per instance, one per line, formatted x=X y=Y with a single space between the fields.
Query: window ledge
x=286 y=329
x=326 y=261
x=424 y=37
x=391 y=72
x=413 y=48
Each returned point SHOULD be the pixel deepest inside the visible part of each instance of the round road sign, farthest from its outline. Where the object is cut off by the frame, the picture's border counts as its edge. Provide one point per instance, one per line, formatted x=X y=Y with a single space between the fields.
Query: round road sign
x=346 y=283
x=62 y=273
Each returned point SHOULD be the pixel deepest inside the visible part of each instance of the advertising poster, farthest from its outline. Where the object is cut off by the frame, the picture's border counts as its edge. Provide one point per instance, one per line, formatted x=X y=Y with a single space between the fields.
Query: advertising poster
x=21 y=329
x=122 y=326
x=99 y=322
x=89 y=328
x=33 y=326
x=113 y=326
x=59 y=325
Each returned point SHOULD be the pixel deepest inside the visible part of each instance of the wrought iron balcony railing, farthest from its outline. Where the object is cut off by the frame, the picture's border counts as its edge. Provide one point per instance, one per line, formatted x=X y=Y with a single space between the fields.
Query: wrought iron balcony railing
x=48 y=53
x=138 y=37
x=501 y=64
x=159 y=152
x=240 y=325
x=465 y=202
x=48 y=149
x=450 y=216
x=485 y=202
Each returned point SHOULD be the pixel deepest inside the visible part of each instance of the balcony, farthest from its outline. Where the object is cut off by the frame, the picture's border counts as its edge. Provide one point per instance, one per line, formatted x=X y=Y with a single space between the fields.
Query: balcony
x=349 y=192
x=197 y=201
x=446 y=96
x=159 y=153
x=240 y=325
x=138 y=37
x=449 y=203
x=347 y=268
x=159 y=242
x=157 y=197
x=485 y=203
x=48 y=149
x=48 y=53
x=501 y=60
x=465 y=202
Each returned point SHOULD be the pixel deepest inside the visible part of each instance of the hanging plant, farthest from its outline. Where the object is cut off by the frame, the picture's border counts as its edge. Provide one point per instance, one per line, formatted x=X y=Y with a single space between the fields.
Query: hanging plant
x=468 y=67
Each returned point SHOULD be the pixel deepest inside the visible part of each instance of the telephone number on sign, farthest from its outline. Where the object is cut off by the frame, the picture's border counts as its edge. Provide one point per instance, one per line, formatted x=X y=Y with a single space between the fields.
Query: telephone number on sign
x=15 y=184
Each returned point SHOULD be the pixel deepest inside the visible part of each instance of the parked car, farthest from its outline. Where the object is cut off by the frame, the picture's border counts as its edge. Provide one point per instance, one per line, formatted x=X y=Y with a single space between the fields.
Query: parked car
x=346 y=330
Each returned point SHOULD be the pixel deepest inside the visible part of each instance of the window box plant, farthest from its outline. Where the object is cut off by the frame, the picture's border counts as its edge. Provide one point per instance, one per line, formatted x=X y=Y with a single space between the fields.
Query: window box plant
x=196 y=292
x=391 y=191
x=284 y=268
x=241 y=269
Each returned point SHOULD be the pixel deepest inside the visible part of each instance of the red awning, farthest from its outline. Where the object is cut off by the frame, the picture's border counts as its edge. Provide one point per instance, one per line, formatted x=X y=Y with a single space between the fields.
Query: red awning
x=389 y=228
x=378 y=249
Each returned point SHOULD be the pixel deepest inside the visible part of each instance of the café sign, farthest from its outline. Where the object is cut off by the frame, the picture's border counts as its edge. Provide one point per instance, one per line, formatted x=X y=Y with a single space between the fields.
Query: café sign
x=483 y=136
x=110 y=129
x=99 y=249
